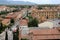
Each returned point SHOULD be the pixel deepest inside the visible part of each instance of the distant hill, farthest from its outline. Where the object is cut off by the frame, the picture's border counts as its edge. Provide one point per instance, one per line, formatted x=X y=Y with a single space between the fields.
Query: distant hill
x=17 y=3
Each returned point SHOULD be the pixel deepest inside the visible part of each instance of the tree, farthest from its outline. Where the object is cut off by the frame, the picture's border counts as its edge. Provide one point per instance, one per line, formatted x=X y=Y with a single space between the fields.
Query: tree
x=3 y=12
x=16 y=34
x=6 y=37
x=1 y=27
x=39 y=7
x=33 y=23
x=12 y=21
x=59 y=16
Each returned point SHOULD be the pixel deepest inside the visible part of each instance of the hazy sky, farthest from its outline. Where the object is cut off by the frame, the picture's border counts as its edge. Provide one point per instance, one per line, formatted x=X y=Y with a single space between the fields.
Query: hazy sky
x=41 y=1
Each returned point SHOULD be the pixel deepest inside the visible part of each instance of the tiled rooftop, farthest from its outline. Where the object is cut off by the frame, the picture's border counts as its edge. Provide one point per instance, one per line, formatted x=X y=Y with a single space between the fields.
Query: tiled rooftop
x=45 y=34
x=46 y=31
x=23 y=22
x=5 y=21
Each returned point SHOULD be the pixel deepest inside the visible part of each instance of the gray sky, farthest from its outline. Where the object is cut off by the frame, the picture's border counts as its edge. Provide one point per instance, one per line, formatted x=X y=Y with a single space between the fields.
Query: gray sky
x=41 y=1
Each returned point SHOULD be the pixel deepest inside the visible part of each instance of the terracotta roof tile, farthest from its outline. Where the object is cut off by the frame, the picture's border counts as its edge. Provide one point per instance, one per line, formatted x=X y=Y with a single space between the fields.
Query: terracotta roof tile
x=45 y=31
x=5 y=21
x=45 y=34
x=23 y=22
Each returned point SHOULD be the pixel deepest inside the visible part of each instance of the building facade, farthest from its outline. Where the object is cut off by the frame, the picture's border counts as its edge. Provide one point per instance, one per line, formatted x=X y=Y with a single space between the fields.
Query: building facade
x=45 y=14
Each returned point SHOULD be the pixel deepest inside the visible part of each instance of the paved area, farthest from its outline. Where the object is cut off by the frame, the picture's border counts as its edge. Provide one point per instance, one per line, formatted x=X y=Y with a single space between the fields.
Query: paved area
x=56 y=23
x=46 y=24
x=50 y=23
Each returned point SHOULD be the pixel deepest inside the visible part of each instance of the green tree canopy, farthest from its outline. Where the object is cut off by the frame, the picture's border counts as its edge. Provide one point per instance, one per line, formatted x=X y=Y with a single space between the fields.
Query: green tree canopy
x=12 y=21
x=33 y=23
x=6 y=37
x=1 y=27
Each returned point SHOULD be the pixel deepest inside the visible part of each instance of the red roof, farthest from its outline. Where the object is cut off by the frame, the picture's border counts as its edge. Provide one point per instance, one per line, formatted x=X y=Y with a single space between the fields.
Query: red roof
x=45 y=31
x=45 y=34
x=23 y=22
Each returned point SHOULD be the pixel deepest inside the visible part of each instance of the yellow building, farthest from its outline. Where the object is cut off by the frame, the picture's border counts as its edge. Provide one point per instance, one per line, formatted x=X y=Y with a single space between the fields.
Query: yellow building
x=6 y=22
x=45 y=14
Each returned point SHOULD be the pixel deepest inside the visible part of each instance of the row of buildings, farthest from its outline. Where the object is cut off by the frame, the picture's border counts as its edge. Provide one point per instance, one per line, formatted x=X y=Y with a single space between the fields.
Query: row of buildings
x=45 y=13
x=6 y=8
x=9 y=16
